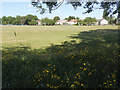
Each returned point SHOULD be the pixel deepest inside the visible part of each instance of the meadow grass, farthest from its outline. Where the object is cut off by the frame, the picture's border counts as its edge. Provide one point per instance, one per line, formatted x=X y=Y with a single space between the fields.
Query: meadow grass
x=42 y=36
x=89 y=59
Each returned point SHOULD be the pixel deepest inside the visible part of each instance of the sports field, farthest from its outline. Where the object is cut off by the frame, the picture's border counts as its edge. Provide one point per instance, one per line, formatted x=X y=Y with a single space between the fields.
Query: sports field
x=42 y=36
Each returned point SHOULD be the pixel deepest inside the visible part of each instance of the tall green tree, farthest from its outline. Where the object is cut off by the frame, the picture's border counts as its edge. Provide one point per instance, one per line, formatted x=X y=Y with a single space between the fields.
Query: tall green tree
x=70 y=18
x=33 y=22
x=0 y=20
x=9 y=20
x=18 y=20
x=47 y=21
x=23 y=20
x=89 y=20
x=29 y=18
x=56 y=18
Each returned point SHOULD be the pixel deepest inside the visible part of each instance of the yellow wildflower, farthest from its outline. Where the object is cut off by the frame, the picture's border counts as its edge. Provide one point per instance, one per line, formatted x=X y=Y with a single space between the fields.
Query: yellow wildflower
x=84 y=63
x=72 y=85
x=47 y=71
x=104 y=83
x=90 y=73
x=52 y=76
x=75 y=81
x=82 y=85
x=114 y=80
x=67 y=78
x=110 y=84
x=84 y=69
x=81 y=67
x=77 y=74
x=58 y=77
x=48 y=85
x=49 y=64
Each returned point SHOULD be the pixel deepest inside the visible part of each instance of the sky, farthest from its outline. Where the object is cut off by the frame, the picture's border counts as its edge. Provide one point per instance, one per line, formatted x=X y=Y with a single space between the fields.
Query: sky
x=14 y=8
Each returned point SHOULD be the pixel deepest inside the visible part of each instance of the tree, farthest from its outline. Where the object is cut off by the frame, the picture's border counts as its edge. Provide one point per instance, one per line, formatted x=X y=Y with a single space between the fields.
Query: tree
x=18 y=20
x=23 y=20
x=33 y=22
x=56 y=18
x=77 y=18
x=4 y=19
x=9 y=20
x=0 y=20
x=80 y=22
x=111 y=19
x=70 y=18
x=29 y=18
x=47 y=21
x=110 y=7
x=89 y=20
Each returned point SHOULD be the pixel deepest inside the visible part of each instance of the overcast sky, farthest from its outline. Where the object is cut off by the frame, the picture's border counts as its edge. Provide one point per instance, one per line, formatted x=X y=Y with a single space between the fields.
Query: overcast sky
x=23 y=8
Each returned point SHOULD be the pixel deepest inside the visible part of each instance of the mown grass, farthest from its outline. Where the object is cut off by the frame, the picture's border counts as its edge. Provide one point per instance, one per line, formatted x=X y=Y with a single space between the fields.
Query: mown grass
x=42 y=36
x=91 y=63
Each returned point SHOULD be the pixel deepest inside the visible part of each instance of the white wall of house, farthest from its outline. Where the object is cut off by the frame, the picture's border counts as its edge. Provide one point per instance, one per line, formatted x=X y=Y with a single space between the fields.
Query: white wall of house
x=59 y=23
x=39 y=23
x=71 y=23
x=103 y=22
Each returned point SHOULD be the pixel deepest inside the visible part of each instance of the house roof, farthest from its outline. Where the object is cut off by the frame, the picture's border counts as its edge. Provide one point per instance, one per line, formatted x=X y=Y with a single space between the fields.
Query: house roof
x=73 y=20
x=62 y=20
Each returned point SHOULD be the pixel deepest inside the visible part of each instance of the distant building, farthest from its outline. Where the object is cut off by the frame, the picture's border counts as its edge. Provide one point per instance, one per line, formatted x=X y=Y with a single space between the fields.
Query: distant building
x=39 y=22
x=61 y=22
x=97 y=23
x=103 y=22
x=72 y=22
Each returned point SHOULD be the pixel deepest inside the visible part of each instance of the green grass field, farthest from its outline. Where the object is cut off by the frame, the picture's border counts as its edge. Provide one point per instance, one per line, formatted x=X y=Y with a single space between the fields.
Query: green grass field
x=42 y=36
x=86 y=58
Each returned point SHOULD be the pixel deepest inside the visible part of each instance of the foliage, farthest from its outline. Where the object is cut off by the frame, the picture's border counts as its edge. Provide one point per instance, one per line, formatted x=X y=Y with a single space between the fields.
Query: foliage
x=0 y=20
x=89 y=20
x=33 y=22
x=80 y=22
x=56 y=18
x=92 y=63
x=70 y=18
x=47 y=21
x=109 y=7
x=20 y=20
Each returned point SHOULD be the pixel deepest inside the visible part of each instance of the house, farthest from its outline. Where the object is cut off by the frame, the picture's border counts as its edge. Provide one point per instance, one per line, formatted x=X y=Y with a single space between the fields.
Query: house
x=72 y=22
x=103 y=22
x=39 y=22
x=97 y=21
x=61 y=22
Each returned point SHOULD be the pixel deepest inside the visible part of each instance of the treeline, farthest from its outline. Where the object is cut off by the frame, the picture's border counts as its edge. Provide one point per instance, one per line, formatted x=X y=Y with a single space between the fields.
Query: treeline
x=33 y=20
x=47 y=21
x=20 y=20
